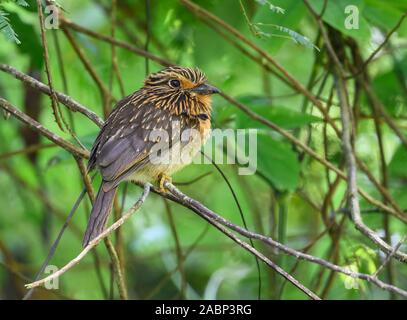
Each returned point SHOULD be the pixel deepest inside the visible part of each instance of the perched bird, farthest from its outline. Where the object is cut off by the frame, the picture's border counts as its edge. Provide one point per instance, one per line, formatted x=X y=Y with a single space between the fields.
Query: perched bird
x=149 y=135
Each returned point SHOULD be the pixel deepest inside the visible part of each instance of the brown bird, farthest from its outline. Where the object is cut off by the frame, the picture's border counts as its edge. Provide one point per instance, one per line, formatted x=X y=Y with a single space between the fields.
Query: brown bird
x=150 y=135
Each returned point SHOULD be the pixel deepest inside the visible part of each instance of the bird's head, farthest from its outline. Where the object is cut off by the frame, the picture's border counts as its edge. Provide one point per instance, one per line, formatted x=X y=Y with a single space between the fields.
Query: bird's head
x=181 y=90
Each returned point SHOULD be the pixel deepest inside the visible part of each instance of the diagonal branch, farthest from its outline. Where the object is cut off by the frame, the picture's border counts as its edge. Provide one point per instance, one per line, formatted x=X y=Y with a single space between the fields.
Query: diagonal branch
x=380 y=47
x=73 y=26
x=63 y=98
x=95 y=241
x=54 y=100
x=68 y=146
x=197 y=207
x=204 y=14
x=351 y=159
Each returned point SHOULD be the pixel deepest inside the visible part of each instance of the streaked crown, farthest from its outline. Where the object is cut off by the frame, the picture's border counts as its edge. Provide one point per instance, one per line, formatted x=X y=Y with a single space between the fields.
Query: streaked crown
x=188 y=77
x=181 y=90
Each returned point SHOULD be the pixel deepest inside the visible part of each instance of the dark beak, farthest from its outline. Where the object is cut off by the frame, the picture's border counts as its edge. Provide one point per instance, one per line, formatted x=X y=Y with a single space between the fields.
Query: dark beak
x=205 y=89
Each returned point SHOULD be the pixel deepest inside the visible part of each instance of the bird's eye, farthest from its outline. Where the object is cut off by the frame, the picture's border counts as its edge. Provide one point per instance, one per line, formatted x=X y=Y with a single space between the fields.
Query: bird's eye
x=174 y=83
x=203 y=116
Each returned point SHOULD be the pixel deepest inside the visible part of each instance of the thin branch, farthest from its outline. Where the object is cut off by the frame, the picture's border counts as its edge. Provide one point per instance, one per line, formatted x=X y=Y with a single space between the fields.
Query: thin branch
x=39 y=193
x=116 y=264
x=389 y=256
x=69 y=24
x=115 y=64
x=68 y=146
x=95 y=241
x=197 y=207
x=117 y=269
x=202 y=13
x=54 y=100
x=306 y=149
x=192 y=181
x=178 y=249
x=84 y=154
x=380 y=47
x=63 y=98
x=148 y=33
x=56 y=242
x=262 y=257
x=27 y=150
x=382 y=110
x=104 y=91
x=350 y=156
x=188 y=251
x=253 y=115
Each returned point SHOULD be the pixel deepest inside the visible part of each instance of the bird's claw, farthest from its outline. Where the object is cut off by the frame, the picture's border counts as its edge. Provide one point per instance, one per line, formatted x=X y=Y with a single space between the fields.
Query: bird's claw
x=163 y=179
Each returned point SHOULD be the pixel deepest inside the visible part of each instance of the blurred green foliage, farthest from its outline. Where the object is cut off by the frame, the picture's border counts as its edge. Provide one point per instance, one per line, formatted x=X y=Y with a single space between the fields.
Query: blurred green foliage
x=280 y=200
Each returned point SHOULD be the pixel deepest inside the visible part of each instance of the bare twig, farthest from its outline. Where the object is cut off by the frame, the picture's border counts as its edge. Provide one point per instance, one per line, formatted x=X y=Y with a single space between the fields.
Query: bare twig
x=188 y=251
x=178 y=249
x=55 y=244
x=63 y=98
x=115 y=65
x=116 y=264
x=148 y=33
x=117 y=269
x=202 y=13
x=104 y=91
x=380 y=47
x=347 y=147
x=382 y=110
x=389 y=256
x=116 y=210
x=68 y=146
x=252 y=114
x=200 y=209
x=95 y=241
x=399 y=214
x=69 y=24
x=30 y=149
x=306 y=149
x=54 y=100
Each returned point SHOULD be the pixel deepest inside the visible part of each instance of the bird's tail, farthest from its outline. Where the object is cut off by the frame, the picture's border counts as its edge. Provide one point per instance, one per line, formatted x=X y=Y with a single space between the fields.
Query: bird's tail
x=100 y=211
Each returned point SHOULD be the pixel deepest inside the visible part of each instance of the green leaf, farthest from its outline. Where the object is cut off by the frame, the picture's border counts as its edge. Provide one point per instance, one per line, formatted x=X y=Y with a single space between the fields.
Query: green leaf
x=294 y=36
x=335 y=16
x=277 y=162
x=61 y=155
x=399 y=194
x=7 y=29
x=388 y=88
x=397 y=165
x=294 y=12
x=282 y=116
x=271 y=6
x=30 y=40
x=22 y=3
x=385 y=15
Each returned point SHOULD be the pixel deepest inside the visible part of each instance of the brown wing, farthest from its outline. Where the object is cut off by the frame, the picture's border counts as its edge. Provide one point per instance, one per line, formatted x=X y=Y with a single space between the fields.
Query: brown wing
x=122 y=146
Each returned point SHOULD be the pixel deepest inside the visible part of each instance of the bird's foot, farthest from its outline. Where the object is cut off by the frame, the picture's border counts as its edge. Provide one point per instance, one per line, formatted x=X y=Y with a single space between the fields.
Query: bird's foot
x=163 y=179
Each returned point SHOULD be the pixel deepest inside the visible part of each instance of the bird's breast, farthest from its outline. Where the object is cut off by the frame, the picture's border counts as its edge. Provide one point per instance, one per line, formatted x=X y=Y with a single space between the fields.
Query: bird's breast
x=181 y=153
